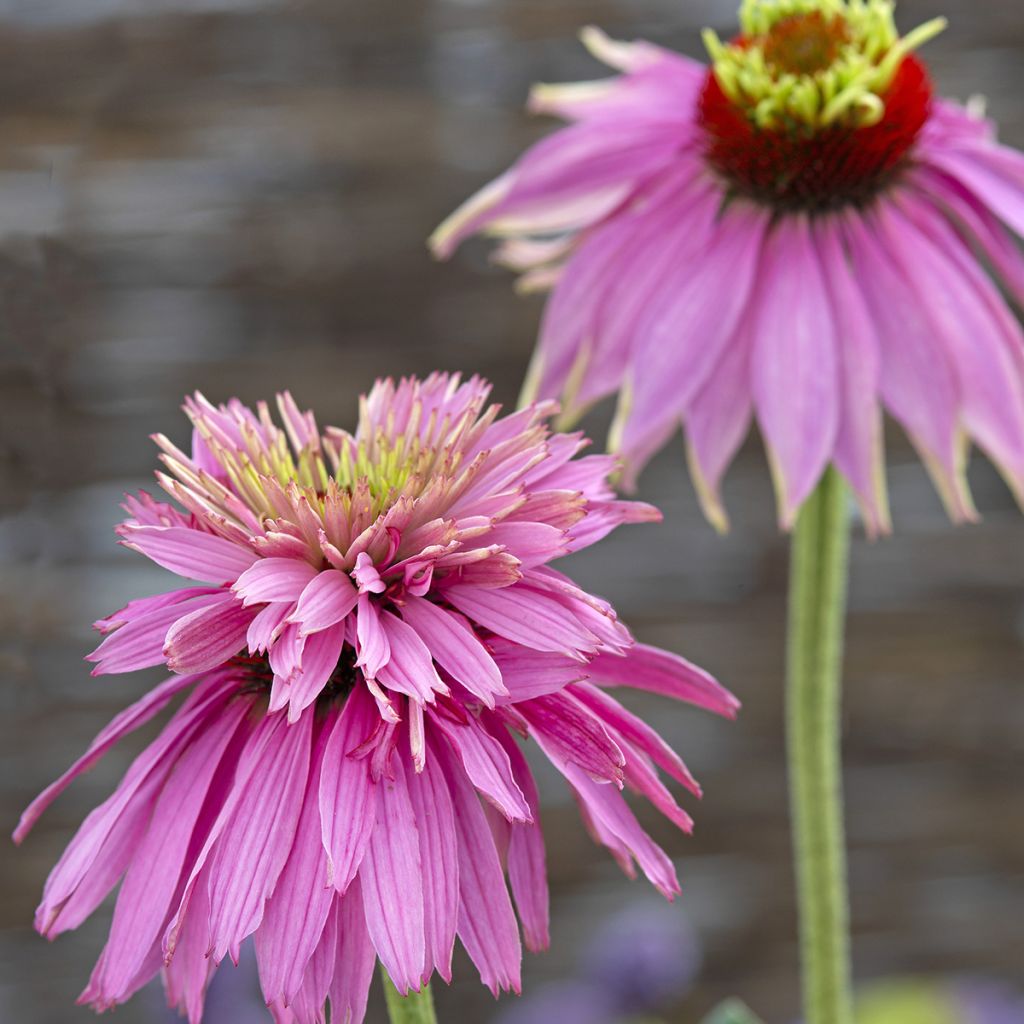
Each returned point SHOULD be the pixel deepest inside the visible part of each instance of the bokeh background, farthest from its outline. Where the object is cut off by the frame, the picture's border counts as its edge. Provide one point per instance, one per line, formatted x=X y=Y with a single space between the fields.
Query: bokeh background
x=233 y=195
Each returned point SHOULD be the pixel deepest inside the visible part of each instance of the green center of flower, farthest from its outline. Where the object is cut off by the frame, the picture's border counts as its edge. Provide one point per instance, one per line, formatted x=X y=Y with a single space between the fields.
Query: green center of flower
x=368 y=472
x=806 y=65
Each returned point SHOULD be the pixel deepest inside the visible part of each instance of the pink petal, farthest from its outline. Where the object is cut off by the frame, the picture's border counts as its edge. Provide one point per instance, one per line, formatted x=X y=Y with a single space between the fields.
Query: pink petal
x=254 y=845
x=716 y=423
x=355 y=959
x=327 y=599
x=527 y=871
x=435 y=824
x=658 y=671
x=208 y=637
x=534 y=620
x=371 y=639
x=793 y=369
x=274 y=579
x=155 y=872
x=347 y=796
x=487 y=924
x=576 y=732
x=684 y=334
x=858 y=449
x=392 y=884
x=454 y=645
x=320 y=655
x=485 y=762
x=624 y=725
x=297 y=911
x=528 y=674
x=190 y=553
x=608 y=809
x=410 y=669
x=917 y=382
x=139 y=642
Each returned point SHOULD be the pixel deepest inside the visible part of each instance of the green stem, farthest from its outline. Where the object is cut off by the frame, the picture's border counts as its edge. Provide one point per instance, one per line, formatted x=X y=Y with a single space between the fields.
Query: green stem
x=415 y=1008
x=816 y=612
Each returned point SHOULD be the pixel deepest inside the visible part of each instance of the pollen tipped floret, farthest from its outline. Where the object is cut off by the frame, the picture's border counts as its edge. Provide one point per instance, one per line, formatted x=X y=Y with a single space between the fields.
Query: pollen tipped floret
x=373 y=623
x=799 y=236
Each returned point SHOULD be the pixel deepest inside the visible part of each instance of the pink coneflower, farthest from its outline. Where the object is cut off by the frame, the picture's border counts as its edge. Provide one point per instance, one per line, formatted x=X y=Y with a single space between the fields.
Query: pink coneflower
x=799 y=233
x=373 y=621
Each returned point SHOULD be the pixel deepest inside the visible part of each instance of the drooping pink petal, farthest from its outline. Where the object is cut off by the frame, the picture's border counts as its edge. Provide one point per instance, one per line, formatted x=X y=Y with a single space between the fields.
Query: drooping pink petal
x=858 y=446
x=298 y=909
x=392 y=884
x=152 y=879
x=354 y=962
x=487 y=923
x=320 y=654
x=527 y=872
x=528 y=674
x=435 y=825
x=793 y=368
x=132 y=718
x=348 y=802
x=577 y=733
x=686 y=331
x=485 y=762
x=372 y=641
x=624 y=725
x=917 y=382
x=608 y=809
x=254 y=845
x=983 y=341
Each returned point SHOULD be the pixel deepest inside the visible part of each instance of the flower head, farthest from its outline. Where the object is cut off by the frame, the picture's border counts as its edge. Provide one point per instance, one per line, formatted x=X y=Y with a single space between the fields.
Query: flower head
x=374 y=621
x=799 y=233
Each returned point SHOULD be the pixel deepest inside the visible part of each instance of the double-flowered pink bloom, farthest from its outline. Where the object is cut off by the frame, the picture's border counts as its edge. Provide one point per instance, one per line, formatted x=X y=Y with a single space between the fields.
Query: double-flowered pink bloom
x=799 y=233
x=372 y=626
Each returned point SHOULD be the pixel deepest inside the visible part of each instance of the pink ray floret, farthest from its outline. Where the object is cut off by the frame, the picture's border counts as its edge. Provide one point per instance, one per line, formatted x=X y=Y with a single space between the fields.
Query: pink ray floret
x=370 y=630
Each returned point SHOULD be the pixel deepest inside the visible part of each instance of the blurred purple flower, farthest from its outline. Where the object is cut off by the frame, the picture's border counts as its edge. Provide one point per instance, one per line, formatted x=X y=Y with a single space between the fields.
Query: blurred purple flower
x=643 y=958
x=567 y=1002
x=989 y=1002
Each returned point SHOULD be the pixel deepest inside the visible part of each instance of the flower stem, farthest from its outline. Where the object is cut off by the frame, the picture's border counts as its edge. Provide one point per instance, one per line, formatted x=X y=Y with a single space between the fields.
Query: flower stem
x=818 y=574
x=415 y=1008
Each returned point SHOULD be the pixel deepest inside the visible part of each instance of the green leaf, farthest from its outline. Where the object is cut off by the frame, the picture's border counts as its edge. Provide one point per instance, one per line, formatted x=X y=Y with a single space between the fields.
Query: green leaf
x=732 y=1011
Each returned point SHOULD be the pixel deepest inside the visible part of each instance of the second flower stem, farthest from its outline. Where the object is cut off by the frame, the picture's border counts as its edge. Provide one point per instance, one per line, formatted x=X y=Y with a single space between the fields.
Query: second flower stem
x=817 y=604
x=414 y=1008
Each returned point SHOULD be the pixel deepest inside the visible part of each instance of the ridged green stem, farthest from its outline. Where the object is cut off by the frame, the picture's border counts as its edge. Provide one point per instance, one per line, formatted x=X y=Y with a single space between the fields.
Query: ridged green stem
x=817 y=602
x=415 y=1008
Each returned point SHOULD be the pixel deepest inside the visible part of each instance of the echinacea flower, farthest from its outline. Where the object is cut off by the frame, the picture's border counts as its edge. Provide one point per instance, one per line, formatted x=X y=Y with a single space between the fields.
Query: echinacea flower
x=799 y=233
x=371 y=623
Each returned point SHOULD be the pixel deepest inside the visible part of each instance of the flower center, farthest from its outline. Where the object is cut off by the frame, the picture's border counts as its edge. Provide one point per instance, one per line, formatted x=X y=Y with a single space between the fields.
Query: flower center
x=805 y=43
x=817 y=104
x=256 y=677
